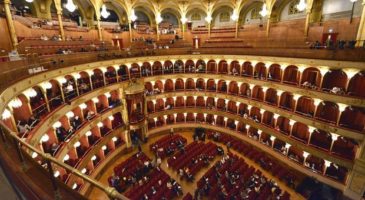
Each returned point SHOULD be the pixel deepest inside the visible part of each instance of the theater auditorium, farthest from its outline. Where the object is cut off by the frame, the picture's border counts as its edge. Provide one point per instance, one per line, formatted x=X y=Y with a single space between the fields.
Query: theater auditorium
x=182 y=99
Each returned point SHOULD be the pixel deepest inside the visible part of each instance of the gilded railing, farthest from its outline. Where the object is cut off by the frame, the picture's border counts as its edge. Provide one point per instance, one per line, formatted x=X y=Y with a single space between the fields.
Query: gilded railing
x=22 y=146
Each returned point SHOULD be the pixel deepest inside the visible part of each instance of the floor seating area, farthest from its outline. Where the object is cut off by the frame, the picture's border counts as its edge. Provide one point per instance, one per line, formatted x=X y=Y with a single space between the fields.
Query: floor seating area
x=192 y=159
x=263 y=160
x=158 y=186
x=167 y=145
x=130 y=171
x=140 y=180
x=232 y=177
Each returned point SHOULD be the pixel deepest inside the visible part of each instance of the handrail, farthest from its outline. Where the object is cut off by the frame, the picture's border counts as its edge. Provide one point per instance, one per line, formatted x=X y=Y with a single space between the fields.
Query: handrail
x=111 y=192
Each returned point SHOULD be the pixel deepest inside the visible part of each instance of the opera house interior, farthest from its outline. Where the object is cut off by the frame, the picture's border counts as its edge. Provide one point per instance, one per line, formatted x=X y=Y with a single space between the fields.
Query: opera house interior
x=182 y=99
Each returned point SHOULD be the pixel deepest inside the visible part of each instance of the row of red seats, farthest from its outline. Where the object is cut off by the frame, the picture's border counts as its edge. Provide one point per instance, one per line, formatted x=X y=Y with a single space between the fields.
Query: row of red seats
x=158 y=180
x=259 y=157
x=130 y=165
x=239 y=166
x=161 y=146
x=193 y=151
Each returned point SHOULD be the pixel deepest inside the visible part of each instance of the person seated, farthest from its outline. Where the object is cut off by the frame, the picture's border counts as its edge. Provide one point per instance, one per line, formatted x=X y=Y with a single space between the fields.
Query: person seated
x=114 y=180
x=76 y=122
x=168 y=107
x=44 y=37
x=90 y=115
x=200 y=68
x=234 y=71
x=61 y=133
x=23 y=127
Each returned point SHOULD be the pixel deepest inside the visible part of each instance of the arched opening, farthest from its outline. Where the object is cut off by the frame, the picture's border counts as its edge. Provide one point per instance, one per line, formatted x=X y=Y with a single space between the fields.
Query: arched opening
x=146 y=69
x=123 y=73
x=190 y=101
x=258 y=93
x=311 y=78
x=315 y=163
x=189 y=66
x=327 y=112
x=54 y=95
x=271 y=97
x=232 y=107
x=291 y=75
x=97 y=79
x=335 y=81
x=200 y=102
x=149 y=88
x=283 y=125
x=169 y=86
x=321 y=139
x=179 y=84
x=200 y=66
x=274 y=73
x=84 y=83
x=222 y=86
x=69 y=88
x=223 y=67
x=211 y=86
x=179 y=67
x=245 y=90
x=235 y=68
x=110 y=75
x=255 y=114
x=200 y=84
x=268 y=119
x=260 y=71
x=300 y=132
x=38 y=104
x=212 y=67
x=168 y=67
x=190 y=84
x=135 y=71
x=233 y=88
x=247 y=69
x=287 y=101
x=356 y=85
x=345 y=147
x=157 y=68
x=353 y=118
x=221 y=105
x=305 y=106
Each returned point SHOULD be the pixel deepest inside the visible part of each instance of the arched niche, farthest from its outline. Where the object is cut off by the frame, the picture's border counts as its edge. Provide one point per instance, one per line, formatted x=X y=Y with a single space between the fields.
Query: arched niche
x=328 y=112
x=291 y=75
x=110 y=75
x=335 y=78
x=356 y=85
x=247 y=69
x=274 y=73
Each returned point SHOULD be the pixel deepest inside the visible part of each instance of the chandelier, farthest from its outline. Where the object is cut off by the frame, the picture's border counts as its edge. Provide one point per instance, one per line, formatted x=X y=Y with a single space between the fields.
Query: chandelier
x=104 y=13
x=133 y=15
x=158 y=19
x=70 y=6
x=301 y=5
x=263 y=12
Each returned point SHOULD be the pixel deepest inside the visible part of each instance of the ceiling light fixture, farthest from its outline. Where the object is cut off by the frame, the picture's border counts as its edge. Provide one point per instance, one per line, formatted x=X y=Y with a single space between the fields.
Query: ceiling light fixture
x=70 y=6
x=104 y=13
x=263 y=12
x=301 y=5
x=133 y=16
